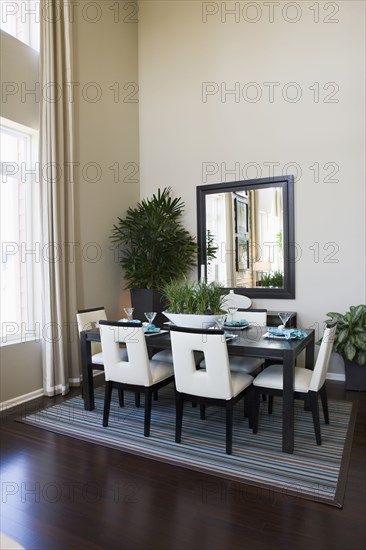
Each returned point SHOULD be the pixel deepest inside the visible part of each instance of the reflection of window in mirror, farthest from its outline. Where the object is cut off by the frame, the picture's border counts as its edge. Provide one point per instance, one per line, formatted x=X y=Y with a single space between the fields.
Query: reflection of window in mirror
x=247 y=229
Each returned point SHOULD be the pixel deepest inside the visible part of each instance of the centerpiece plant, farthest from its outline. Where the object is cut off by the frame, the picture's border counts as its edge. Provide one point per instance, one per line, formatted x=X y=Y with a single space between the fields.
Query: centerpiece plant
x=195 y=298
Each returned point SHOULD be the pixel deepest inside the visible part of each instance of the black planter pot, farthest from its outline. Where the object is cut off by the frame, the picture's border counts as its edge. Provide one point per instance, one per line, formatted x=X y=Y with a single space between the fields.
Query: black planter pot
x=146 y=299
x=355 y=376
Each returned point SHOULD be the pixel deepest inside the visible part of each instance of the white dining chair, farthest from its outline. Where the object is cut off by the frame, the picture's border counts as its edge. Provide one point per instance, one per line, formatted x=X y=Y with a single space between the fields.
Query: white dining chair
x=308 y=384
x=256 y=317
x=213 y=385
x=87 y=319
x=249 y=365
x=138 y=373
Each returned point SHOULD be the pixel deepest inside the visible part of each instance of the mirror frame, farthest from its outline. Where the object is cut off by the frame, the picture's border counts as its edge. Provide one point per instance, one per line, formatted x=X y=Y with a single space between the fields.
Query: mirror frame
x=289 y=245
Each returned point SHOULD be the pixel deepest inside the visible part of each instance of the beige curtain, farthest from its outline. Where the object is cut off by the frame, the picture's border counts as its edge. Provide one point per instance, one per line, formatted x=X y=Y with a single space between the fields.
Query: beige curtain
x=60 y=346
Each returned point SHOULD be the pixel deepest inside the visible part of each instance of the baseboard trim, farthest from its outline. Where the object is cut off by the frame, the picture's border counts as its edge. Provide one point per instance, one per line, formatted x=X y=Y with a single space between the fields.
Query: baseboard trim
x=10 y=403
x=5 y=405
x=336 y=376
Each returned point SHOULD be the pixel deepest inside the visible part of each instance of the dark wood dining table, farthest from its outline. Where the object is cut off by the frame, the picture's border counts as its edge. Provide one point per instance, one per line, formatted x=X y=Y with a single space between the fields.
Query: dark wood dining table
x=250 y=342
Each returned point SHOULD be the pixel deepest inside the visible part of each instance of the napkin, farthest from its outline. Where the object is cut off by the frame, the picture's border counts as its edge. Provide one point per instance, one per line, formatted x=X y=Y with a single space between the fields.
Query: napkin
x=150 y=328
x=242 y=323
x=288 y=333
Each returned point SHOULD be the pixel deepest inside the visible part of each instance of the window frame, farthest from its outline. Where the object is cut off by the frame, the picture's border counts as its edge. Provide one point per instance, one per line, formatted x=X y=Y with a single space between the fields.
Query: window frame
x=30 y=25
x=28 y=327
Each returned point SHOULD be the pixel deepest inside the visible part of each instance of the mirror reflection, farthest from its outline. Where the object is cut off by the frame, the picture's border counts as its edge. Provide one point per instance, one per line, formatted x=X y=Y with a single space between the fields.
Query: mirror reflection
x=246 y=236
x=246 y=229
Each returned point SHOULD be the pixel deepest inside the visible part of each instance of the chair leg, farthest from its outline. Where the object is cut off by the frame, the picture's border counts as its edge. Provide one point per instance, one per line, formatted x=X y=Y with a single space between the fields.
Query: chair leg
x=324 y=398
x=178 y=416
x=203 y=412
x=137 y=398
x=270 y=404
x=313 y=396
x=107 y=402
x=148 y=397
x=229 y=427
x=121 y=397
x=256 y=405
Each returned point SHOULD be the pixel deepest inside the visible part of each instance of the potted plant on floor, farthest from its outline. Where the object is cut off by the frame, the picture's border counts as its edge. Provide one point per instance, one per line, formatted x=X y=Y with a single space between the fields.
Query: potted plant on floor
x=154 y=248
x=350 y=343
x=192 y=304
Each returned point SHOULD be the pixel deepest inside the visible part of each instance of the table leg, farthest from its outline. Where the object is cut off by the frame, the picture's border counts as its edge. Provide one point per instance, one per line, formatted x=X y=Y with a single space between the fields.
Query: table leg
x=288 y=403
x=88 y=385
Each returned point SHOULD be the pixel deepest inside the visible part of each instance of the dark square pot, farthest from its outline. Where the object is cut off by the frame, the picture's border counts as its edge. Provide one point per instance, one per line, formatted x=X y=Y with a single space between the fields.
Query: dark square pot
x=146 y=299
x=355 y=376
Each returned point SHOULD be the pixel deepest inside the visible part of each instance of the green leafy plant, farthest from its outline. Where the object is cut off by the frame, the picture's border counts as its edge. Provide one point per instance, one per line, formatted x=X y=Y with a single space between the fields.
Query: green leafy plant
x=273 y=279
x=154 y=247
x=350 y=338
x=211 y=248
x=195 y=298
x=276 y=279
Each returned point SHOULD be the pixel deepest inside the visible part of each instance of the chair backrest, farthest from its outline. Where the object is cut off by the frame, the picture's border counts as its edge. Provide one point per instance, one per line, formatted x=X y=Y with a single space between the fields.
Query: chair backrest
x=236 y=300
x=87 y=320
x=256 y=317
x=137 y=369
x=322 y=362
x=213 y=382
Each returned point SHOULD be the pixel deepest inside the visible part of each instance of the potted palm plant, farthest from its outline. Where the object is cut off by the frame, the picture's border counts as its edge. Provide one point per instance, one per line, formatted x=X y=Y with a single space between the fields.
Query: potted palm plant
x=192 y=304
x=154 y=248
x=350 y=343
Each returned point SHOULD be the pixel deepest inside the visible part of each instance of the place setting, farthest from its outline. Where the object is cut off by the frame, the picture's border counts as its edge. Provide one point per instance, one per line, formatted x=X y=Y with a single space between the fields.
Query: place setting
x=283 y=333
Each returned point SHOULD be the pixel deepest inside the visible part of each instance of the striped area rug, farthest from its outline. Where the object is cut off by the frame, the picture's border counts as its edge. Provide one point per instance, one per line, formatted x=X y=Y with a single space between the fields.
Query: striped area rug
x=313 y=472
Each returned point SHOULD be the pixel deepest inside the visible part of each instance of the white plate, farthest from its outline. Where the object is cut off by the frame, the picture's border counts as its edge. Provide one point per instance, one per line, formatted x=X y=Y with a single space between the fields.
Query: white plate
x=229 y=327
x=277 y=336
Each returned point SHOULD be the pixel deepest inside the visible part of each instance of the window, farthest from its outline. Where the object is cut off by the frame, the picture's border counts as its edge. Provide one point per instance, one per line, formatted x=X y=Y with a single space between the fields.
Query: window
x=19 y=194
x=20 y=18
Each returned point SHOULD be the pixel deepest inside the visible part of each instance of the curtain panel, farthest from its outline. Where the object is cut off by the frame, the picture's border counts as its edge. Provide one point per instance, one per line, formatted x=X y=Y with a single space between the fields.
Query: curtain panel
x=60 y=344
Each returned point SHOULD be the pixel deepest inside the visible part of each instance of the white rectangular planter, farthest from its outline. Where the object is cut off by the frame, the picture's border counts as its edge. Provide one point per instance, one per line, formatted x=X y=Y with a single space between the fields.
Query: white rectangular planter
x=192 y=321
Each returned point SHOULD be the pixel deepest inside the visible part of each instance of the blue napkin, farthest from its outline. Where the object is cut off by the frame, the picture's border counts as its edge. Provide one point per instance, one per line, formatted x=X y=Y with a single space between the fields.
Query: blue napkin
x=288 y=333
x=151 y=328
x=242 y=323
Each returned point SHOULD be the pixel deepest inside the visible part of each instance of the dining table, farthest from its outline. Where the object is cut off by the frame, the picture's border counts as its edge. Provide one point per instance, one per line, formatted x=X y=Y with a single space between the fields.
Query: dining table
x=255 y=341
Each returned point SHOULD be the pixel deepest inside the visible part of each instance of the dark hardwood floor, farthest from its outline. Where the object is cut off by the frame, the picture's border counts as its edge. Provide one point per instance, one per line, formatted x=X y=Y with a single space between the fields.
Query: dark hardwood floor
x=60 y=493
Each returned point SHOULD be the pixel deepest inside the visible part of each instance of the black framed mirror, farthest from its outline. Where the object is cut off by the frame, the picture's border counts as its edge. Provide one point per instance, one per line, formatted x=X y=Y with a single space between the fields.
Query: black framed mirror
x=246 y=236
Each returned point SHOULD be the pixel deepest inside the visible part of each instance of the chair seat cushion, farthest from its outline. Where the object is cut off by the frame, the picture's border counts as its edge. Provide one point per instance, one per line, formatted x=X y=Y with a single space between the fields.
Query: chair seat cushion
x=97 y=358
x=240 y=382
x=272 y=377
x=245 y=364
x=160 y=370
x=165 y=355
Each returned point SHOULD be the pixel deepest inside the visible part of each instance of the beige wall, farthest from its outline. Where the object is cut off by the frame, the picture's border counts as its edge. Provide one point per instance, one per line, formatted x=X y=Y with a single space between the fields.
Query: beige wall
x=180 y=130
x=20 y=94
x=105 y=53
